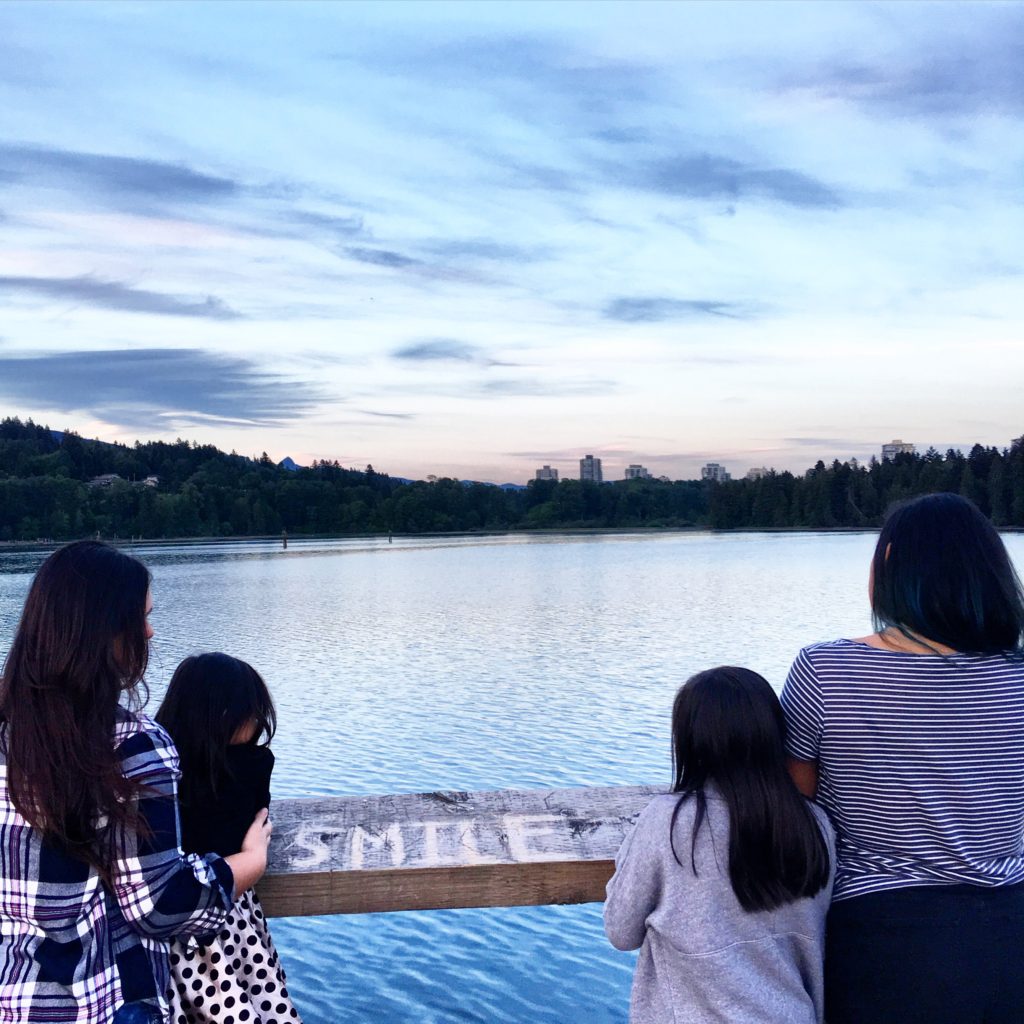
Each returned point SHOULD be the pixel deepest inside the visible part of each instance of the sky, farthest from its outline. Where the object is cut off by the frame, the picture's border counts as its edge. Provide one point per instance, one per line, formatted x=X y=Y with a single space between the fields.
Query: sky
x=469 y=239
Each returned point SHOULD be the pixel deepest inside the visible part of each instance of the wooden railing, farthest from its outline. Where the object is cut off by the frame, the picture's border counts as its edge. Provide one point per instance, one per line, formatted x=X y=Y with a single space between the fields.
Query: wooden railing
x=429 y=851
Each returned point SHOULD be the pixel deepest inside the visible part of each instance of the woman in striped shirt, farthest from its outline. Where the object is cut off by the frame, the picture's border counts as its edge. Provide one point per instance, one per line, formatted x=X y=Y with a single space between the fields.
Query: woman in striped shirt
x=912 y=739
x=93 y=883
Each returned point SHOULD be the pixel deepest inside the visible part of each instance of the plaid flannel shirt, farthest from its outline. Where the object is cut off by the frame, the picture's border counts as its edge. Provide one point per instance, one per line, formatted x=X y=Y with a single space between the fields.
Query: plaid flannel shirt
x=72 y=950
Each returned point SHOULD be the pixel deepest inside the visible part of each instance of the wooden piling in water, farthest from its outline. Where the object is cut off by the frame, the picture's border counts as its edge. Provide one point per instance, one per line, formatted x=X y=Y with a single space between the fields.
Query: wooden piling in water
x=431 y=851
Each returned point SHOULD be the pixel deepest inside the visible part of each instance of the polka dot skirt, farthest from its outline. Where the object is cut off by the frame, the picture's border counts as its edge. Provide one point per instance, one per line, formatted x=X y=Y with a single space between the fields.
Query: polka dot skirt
x=236 y=979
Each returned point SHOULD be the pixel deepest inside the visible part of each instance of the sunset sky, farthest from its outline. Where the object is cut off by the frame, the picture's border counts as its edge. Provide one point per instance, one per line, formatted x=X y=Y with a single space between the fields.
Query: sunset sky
x=470 y=238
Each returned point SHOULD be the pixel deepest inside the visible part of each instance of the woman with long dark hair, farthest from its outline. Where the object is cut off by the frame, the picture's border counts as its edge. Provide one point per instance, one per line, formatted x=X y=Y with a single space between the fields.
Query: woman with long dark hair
x=912 y=739
x=93 y=884
x=724 y=883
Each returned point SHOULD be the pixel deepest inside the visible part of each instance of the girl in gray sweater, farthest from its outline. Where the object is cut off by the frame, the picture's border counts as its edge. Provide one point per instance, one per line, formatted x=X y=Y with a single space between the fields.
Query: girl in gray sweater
x=724 y=883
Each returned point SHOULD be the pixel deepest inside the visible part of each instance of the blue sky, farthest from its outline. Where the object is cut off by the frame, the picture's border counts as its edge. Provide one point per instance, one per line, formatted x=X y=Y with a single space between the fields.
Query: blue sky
x=469 y=239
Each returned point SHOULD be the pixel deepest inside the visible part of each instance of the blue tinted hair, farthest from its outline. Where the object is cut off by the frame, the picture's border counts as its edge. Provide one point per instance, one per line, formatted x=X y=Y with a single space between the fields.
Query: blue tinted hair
x=942 y=572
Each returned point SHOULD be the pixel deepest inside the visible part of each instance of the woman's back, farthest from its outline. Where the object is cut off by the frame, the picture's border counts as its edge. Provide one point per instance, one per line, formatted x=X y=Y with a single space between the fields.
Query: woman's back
x=920 y=762
x=76 y=949
x=703 y=957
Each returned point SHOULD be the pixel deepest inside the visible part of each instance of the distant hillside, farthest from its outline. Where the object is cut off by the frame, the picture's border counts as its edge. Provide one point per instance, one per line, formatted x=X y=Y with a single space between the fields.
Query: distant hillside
x=58 y=485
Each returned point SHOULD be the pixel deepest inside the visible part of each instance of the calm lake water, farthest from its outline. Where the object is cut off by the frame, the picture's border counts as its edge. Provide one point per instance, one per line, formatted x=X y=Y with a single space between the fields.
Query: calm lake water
x=482 y=663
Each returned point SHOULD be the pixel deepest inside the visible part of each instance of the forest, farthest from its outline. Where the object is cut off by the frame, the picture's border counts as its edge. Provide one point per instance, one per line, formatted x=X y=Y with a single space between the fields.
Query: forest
x=48 y=491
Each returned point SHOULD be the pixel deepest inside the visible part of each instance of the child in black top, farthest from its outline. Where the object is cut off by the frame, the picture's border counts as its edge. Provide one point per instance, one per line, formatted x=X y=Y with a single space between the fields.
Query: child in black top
x=221 y=717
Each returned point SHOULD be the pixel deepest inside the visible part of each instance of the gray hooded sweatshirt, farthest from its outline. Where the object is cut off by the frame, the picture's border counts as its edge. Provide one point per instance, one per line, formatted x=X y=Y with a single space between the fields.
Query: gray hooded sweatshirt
x=703 y=958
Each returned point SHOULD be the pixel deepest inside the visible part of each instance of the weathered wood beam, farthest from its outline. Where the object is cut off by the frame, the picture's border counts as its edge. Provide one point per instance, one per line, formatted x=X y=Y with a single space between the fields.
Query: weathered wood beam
x=430 y=851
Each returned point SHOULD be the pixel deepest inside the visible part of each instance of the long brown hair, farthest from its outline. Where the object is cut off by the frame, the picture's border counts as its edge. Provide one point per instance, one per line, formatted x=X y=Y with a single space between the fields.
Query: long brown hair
x=81 y=643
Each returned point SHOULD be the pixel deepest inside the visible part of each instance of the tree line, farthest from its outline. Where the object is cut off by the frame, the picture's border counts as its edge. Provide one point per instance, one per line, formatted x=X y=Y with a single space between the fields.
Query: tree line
x=45 y=492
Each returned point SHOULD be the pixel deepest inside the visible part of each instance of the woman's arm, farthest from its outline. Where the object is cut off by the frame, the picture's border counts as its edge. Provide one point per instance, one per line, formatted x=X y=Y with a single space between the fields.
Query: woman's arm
x=162 y=892
x=804 y=708
x=250 y=863
x=805 y=775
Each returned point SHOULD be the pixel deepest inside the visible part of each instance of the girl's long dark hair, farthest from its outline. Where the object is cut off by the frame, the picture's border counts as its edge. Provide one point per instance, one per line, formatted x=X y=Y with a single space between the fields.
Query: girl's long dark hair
x=941 y=571
x=210 y=698
x=81 y=643
x=728 y=733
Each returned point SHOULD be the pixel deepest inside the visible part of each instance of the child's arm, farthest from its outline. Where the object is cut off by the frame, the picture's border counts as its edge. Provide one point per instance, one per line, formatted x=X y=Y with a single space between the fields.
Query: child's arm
x=634 y=890
x=162 y=892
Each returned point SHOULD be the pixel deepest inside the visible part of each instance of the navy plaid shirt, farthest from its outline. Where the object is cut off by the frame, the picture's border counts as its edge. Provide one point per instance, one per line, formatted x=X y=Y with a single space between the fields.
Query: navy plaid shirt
x=72 y=950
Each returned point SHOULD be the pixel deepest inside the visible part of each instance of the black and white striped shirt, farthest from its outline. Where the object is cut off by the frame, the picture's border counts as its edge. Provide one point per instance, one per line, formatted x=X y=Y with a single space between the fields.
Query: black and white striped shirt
x=920 y=763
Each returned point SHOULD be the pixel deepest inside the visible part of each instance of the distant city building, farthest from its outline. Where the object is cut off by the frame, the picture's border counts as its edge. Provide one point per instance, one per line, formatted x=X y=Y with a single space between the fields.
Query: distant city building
x=756 y=472
x=715 y=471
x=590 y=469
x=105 y=480
x=897 y=447
x=547 y=473
x=634 y=472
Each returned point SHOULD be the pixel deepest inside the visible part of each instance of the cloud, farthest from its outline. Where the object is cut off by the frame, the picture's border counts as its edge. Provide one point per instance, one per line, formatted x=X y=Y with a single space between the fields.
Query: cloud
x=954 y=86
x=389 y=415
x=486 y=249
x=380 y=257
x=623 y=136
x=654 y=309
x=543 y=388
x=447 y=350
x=574 y=85
x=829 y=442
x=439 y=350
x=123 y=181
x=21 y=66
x=710 y=176
x=540 y=176
x=976 y=69
x=156 y=387
x=94 y=291
x=331 y=223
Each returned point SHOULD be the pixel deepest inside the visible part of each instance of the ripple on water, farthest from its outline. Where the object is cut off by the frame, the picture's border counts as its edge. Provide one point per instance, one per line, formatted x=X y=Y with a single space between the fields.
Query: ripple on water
x=506 y=964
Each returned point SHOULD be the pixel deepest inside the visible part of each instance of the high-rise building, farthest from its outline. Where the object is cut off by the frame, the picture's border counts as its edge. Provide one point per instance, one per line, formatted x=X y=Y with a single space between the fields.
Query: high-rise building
x=590 y=469
x=547 y=473
x=897 y=447
x=635 y=472
x=715 y=471
x=757 y=472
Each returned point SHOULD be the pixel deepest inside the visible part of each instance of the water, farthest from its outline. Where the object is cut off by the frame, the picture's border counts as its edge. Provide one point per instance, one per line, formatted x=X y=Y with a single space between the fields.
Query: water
x=462 y=663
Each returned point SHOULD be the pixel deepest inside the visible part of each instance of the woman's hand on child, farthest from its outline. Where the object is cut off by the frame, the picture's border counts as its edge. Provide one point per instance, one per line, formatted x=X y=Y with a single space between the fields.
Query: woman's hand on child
x=257 y=839
x=249 y=864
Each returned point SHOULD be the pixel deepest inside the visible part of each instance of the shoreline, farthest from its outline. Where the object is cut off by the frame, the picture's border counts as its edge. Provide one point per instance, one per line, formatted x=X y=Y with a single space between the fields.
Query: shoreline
x=579 y=531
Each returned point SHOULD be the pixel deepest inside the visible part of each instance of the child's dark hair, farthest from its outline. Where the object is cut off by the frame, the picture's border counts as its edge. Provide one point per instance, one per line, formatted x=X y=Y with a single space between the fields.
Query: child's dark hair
x=728 y=733
x=941 y=571
x=211 y=698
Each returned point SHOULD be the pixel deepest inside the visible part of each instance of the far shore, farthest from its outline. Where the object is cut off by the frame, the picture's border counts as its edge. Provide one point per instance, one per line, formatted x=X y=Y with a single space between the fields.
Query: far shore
x=580 y=531
x=44 y=544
